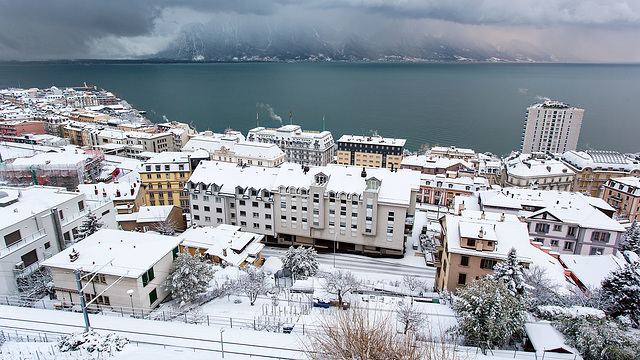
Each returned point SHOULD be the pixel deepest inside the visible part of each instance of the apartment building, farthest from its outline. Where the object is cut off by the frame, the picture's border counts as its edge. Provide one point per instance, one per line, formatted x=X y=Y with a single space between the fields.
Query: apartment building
x=130 y=270
x=15 y=128
x=562 y=222
x=311 y=148
x=224 y=193
x=538 y=171
x=362 y=210
x=164 y=177
x=452 y=152
x=371 y=151
x=233 y=150
x=440 y=190
x=127 y=197
x=551 y=127
x=38 y=222
x=436 y=165
x=473 y=242
x=623 y=194
x=594 y=168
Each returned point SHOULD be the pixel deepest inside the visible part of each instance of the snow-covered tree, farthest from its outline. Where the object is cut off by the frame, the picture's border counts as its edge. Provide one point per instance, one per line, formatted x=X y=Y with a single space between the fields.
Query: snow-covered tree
x=301 y=261
x=253 y=282
x=510 y=272
x=631 y=239
x=488 y=313
x=599 y=338
x=166 y=227
x=409 y=316
x=541 y=287
x=340 y=283
x=189 y=276
x=89 y=225
x=93 y=342
x=623 y=288
x=36 y=285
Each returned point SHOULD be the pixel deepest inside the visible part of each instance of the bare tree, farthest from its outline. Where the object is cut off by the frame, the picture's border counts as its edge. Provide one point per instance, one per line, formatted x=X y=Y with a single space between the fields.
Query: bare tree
x=253 y=282
x=541 y=287
x=409 y=316
x=340 y=283
x=414 y=284
x=166 y=227
x=360 y=333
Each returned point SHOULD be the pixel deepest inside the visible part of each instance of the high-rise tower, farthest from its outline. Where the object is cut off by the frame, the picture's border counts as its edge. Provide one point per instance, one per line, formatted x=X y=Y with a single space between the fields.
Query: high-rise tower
x=551 y=127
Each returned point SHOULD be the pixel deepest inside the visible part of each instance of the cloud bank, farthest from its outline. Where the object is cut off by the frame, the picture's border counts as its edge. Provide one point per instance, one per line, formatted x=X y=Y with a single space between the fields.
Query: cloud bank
x=596 y=30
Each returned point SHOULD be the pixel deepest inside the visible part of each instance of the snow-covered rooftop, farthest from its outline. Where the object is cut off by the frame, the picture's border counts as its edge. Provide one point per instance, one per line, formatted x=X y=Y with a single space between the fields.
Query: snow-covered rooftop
x=113 y=191
x=31 y=201
x=168 y=157
x=534 y=166
x=600 y=160
x=591 y=270
x=371 y=140
x=225 y=241
x=154 y=213
x=116 y=252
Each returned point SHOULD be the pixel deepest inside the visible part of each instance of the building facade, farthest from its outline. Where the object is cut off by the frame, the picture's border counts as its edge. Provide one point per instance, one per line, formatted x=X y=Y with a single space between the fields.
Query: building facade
x=38 y=222
x=164 y=177
x=121 y=261
x=355 y=210
x=537 y=171
x=551 y=127
x=370 y=151
x=440 y=190
x=623 y=194
x=594 y=168
x=312 y=148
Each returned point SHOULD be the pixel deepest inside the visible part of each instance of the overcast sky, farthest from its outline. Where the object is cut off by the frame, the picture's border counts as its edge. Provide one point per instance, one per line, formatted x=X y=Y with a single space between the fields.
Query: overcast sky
x=596 y=31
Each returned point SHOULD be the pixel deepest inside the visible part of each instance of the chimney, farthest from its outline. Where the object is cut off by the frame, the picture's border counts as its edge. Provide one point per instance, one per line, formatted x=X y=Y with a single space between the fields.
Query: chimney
x=95 y=190
x=224 y=252
x=104 y=193
x=73 y=255
x=132 y=190
x=481 y=233
x=482 y=216
x=363 y=173
x=117 y=192
x=502 y=217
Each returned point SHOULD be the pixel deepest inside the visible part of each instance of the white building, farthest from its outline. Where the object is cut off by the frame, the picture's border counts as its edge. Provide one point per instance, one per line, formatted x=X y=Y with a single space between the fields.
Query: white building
x=236 y=151
x=311 y=148
x=537 y=171
x=358 y=210
x=38 y=222
x=551 y=127
x=559 y=221
x=127 y=260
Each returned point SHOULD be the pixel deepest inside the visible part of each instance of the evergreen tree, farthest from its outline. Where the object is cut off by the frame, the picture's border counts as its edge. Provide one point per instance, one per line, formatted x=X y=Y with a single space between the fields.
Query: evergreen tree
x=301 y=261
x=89 y=225
x=631 y=239
x=189 y=276
x=488 y=313
x=623 y=288
x=510 y=272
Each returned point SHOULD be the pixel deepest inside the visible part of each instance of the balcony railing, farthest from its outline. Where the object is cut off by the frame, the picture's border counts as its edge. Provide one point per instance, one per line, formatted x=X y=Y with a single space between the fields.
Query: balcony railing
x=82 y=213
x=22 y=242
x=27 y=270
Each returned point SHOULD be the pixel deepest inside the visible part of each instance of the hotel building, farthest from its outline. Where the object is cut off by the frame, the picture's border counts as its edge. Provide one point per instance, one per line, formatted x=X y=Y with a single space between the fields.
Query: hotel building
x=551 y=127
x=371 y=151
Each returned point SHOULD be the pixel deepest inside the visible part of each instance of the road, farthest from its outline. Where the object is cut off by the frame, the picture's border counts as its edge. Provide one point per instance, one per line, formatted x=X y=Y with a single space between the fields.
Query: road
x=364 y=264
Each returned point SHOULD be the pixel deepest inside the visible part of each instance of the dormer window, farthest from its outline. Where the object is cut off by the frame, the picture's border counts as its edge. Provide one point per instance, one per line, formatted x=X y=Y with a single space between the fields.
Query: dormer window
x=373 y=184
x=321 y=179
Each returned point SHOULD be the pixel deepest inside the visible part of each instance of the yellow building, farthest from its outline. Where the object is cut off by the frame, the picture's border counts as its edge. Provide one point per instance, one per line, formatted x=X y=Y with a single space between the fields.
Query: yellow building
x=371 y=151
x=471 y=244
x=164 y=177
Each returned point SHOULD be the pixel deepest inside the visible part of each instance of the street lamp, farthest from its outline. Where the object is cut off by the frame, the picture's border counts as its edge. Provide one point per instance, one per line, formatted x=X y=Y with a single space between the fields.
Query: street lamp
x=130 y=292
x=221 y=342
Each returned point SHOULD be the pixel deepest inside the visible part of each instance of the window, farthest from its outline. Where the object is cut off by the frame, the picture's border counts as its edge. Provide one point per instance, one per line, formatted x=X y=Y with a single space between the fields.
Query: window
x=243 y=213
x=254 y=204
x=256 y=226
x=267 y=216
x=205 y=197
x=600 y=236
x=147 y=277
x=218 y=199
x=206 y=208
x=196 y=217
x=219 y=210
x=61 y=214
x=194 y=197
x=47 y=245
x=572 y=231
x=153 y=296
x=267 y=227
x=80 y=205
x=14 y=237
x=462 y=279
x=243 y=223
x=542 y=228
x=174 y=252
x=242 y=202
x=487 y=264
x=219 y=220
x=196 y=207
x=464 y=261
x=207 y=218
x=256 y=215
x=267 y=206
x=596 y=251
x=471 y=242
x=554 y=242
x=557 y=227
x=568 y=245
x=29 y=258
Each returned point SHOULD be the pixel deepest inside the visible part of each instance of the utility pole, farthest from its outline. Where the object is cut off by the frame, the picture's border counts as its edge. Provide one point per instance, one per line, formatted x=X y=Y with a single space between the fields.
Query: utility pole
x=82 y=303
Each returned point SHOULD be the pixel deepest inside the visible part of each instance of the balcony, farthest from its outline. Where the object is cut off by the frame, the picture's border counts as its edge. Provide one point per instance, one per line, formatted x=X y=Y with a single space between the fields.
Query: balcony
x=82 y=213
x=22 y=242
x=26 y=271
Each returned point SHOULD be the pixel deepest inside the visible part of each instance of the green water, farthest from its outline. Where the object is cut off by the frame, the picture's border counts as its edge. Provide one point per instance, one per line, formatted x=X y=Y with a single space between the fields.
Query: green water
x=481 y=106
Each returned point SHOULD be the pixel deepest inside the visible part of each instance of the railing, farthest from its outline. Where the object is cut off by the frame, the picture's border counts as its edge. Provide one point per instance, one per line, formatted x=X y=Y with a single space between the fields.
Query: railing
x=80 y=214
x=26 y=271
x=22 y=242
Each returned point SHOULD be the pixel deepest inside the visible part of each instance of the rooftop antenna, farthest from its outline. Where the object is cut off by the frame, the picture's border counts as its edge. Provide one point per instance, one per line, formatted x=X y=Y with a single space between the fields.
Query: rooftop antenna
x=257 y=120
x=290 y=115
x=323 y=122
